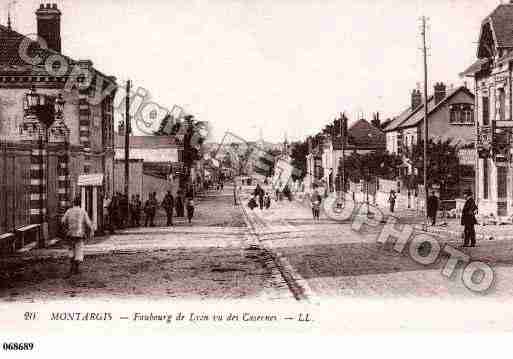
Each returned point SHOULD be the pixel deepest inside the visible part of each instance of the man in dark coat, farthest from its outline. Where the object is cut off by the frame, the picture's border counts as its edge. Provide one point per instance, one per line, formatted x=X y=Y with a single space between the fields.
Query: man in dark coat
x=432 y=207
x=468 y=220
x=259 y=193
x=168 y=204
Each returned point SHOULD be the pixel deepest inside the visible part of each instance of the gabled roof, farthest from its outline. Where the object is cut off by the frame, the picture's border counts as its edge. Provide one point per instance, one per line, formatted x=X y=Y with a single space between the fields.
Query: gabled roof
x=413 y=118
x=396 y=122
x=501 y=21
x=364 y=135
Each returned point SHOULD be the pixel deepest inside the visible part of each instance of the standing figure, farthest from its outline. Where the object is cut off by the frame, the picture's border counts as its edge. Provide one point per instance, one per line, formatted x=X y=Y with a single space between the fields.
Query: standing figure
x=432 y=207
x=179 y=203
x=168 y=204
x=468 y=220
x=113 y=210
x=259 y=193
x=391 y=200
x=78 y=226
x=133 y=211
x=190 y=208
x=267 y=201
x=137 y=211
x=316 y=204
x=124 y=211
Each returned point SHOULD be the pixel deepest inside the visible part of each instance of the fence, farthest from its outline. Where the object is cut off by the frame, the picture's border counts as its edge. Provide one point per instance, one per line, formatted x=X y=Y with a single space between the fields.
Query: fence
x=14 y=186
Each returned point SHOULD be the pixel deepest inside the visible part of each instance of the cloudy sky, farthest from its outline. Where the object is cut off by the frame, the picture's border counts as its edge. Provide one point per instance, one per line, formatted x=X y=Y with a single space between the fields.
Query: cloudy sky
x=283 y=66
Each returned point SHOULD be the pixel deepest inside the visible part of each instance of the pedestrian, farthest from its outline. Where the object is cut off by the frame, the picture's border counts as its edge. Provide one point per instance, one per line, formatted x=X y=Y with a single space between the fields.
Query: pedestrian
x=179 y=203
x=316 y=204
x=468 y=221
x=78 y=226
x=190 y=209
x=137 y=211
x=124 y=211
x=153 y=207
x=259 y=194
x=106 y=213
x=234 y=194
x=149 y=211
x=133 y=210
x=252 y=204
x=168 y=204
x=267 y=200
x=391 y=200
x=432 y=207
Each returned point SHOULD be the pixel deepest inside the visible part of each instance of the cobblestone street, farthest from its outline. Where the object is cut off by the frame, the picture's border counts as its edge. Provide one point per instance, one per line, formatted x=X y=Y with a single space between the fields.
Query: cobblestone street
x=331 y=259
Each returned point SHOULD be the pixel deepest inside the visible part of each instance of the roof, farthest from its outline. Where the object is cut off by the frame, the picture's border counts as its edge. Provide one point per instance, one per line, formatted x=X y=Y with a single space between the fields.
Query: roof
x=149 y=154
x=147 y=142
x=501 y=21
x=12 y=62
x=400 y=119
x=474 y=68
x=363 y=134
x=413 y=118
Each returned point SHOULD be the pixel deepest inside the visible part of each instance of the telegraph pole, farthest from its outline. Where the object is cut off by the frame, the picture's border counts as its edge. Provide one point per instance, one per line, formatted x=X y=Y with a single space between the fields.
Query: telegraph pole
x=128 y=129
x=424 y=50
x=342 y=162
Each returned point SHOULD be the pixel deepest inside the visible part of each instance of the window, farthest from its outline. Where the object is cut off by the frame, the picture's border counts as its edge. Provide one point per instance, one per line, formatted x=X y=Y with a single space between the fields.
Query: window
x=502 y=104
x=461 y=114
x=485 y=178
x=486 y=111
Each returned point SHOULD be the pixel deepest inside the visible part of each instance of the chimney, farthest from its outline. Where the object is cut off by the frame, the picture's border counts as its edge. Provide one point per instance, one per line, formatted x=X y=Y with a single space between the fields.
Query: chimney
x=416 y=99
x=49 y=25
x=440 y=92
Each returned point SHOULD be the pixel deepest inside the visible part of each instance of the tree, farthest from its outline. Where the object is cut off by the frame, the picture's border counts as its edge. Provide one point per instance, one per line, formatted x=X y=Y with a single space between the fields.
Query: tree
x=298 y=154
x=370 y=165
x=443 y=166
x=191 y=133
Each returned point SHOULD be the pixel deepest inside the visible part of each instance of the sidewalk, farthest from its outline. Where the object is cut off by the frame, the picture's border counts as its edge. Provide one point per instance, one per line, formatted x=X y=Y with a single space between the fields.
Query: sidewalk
x=208 y=260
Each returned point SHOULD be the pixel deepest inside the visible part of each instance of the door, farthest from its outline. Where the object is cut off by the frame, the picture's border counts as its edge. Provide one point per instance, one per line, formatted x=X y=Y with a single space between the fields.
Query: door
x=502 y=190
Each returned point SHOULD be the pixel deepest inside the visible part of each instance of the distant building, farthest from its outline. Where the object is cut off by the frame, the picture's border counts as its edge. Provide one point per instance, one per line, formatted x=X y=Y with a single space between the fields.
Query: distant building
x=450 y=116
x=156 y=163
x=492 y=73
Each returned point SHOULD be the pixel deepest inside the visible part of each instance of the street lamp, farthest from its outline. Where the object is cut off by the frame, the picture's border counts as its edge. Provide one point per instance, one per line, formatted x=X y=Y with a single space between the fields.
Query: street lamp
x=41 y=111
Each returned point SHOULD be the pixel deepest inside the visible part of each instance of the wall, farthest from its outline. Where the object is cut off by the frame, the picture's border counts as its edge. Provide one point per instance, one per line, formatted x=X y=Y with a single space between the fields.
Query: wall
x=155 y=184
x=136 y=177
x=12 y=112
x=439 y=126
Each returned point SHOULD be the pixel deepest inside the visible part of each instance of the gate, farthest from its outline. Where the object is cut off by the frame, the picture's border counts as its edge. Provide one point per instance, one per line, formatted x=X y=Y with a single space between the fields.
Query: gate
x=14 y=186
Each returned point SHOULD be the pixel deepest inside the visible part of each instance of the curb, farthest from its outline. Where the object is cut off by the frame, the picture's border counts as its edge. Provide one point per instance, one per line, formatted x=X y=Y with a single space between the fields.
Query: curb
x=289 y=275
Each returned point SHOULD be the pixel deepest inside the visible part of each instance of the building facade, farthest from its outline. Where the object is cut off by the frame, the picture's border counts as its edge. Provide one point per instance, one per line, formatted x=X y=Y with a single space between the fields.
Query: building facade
x=450 y=117
x=492 y=73
x=81 y=143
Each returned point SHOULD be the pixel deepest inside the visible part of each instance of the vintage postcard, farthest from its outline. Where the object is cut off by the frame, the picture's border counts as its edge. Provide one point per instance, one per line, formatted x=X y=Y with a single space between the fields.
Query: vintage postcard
x=240 y=167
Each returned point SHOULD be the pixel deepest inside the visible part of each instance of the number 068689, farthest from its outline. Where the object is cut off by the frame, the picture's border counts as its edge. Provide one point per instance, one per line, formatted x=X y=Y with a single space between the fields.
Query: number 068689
x=17 y=346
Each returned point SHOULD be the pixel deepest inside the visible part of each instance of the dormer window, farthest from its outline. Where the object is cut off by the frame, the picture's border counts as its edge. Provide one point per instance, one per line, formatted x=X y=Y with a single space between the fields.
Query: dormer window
x=461 y=114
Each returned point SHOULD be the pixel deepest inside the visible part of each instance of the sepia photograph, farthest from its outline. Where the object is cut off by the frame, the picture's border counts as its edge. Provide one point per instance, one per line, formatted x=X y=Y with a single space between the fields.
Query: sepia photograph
x=254 y=167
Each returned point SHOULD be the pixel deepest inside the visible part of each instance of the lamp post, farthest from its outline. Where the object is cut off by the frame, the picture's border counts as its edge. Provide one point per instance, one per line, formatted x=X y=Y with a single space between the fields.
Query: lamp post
x=42 y=108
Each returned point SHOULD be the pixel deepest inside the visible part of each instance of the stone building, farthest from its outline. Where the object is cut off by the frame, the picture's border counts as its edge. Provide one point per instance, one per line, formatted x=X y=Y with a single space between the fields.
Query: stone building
x=79 y=144
x=492 y=73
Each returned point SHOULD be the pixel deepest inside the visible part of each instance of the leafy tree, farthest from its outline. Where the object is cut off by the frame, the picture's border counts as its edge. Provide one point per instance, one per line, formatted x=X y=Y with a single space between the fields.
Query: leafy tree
x=443 y=166
x=298 y=154
x=370 y=165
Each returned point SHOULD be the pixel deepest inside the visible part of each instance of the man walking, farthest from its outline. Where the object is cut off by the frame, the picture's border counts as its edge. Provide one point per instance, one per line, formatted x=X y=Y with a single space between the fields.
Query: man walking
x=468 y=220
x=168 y=204
x=432 y=207
x=391 y=200
x=78 y=227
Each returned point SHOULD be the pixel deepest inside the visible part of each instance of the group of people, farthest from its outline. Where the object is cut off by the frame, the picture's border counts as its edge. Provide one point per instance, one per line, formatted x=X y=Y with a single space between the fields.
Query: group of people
x=263 y=197
x=121 y=213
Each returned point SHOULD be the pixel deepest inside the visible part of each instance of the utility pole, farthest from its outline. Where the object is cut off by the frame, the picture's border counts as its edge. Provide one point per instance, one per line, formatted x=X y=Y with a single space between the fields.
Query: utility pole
x=424 y=50
x=342 y=162
x=128 y=129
